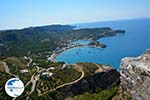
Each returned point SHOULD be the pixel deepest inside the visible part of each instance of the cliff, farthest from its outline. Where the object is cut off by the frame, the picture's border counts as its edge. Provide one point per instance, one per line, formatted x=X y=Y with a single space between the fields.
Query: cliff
x=135 y=76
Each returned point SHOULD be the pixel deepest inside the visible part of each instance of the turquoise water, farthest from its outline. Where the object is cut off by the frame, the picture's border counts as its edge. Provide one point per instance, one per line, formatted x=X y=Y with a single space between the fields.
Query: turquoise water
x=132 y=43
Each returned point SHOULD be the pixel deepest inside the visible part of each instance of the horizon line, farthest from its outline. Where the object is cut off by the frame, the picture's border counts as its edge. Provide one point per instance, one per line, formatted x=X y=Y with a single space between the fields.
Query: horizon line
x=72 y=24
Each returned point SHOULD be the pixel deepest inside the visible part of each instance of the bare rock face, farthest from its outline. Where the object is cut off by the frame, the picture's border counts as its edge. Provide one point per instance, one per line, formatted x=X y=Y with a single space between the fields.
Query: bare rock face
x=135 y=76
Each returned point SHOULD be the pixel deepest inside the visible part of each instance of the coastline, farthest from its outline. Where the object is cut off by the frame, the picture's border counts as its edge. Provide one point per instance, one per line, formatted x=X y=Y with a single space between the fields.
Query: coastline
x=96 y=44
x=64 y=49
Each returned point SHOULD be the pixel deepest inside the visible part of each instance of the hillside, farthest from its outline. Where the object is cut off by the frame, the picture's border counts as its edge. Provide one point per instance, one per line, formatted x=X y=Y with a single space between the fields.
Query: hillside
x=69 y=82
x=46 y=38
x=24 y=54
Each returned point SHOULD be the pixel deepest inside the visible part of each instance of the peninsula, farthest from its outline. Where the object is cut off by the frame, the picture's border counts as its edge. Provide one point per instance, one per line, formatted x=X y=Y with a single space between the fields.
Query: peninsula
x=29 y=54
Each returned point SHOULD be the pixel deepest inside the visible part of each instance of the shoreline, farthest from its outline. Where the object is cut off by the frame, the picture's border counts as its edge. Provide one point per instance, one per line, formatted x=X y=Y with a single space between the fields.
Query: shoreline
x=64 y=49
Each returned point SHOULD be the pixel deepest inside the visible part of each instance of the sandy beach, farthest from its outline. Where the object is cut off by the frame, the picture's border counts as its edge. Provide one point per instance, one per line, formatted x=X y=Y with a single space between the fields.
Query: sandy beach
x=64 y=49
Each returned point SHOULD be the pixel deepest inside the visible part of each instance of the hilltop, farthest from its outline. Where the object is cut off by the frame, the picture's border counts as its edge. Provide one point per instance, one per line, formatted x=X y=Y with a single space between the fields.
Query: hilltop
x=24 y=54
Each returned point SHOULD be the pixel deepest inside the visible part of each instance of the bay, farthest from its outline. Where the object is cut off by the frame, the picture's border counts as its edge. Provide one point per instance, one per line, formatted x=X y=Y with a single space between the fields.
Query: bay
x=134 y=42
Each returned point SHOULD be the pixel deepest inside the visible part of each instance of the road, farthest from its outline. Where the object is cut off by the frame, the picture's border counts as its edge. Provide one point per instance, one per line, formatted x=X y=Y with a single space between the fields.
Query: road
x=79 y=68
x=30 y=61
x=7 y=69
x=100 y=69
x=33 y=79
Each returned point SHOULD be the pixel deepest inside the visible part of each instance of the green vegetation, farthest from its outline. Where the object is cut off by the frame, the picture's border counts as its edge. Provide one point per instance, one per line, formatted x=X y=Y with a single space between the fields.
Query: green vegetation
x=18 y=64
x=97 y=44
x=47 y=38
x=103 y=95
x=91 y=83
x=58 y=78
x=90 y=86
x=89 y=68
x=127 y=96
x=67 y=75
x=3 y=78
x=37 y=44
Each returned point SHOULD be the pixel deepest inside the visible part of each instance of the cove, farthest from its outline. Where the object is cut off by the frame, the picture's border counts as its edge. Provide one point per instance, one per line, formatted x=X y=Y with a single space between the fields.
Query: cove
x=134 y=42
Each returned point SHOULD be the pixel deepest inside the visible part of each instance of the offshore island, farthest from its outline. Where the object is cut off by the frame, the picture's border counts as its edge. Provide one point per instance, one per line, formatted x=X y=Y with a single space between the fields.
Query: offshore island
x=29 y=54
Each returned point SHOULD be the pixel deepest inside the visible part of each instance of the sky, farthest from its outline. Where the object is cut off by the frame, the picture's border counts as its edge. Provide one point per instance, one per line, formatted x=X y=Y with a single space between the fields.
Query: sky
x=25 y=13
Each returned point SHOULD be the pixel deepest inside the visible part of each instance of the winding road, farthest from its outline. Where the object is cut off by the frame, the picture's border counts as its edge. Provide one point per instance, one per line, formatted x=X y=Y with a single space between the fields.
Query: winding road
x=79 y=68
x=30 y=61
x=33 y=78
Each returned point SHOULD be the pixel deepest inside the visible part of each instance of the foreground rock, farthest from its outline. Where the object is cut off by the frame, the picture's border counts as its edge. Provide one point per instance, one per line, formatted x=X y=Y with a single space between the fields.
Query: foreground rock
x=135 y=76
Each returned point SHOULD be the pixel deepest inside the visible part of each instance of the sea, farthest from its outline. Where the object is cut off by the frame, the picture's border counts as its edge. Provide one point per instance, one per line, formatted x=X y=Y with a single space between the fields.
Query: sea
x=131 y=44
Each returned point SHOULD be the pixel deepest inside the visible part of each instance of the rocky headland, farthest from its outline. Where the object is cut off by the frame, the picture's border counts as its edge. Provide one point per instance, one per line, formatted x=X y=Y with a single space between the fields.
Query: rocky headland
x=135 y=76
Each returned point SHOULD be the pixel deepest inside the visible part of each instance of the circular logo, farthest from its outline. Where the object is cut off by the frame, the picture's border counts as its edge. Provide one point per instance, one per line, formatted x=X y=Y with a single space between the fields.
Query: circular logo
x=14 y=87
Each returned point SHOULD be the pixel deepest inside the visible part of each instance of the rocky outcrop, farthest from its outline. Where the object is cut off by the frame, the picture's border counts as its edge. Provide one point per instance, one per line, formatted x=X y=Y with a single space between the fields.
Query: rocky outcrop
x=135 y=76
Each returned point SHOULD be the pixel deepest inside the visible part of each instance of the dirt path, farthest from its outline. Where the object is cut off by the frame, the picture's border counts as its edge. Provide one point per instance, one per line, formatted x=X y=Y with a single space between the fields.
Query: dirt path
x=79 y=68
x=100 y=69
x=7 y=69
x=30 y=61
